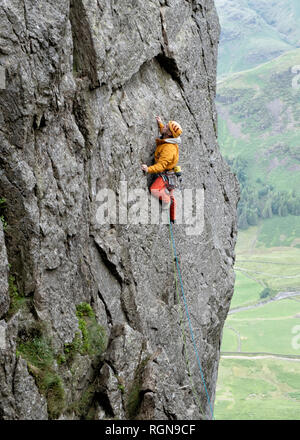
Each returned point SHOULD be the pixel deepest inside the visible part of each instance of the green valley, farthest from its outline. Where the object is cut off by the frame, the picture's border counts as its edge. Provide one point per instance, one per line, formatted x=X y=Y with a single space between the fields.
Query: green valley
x=258 y=103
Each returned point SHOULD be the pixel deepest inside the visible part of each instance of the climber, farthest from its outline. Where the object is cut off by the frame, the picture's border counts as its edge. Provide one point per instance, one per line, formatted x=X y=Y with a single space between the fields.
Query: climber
x=166 y=158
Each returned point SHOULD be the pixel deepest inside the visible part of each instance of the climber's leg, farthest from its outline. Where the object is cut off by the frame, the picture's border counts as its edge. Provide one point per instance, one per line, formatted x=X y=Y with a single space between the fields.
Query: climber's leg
x=159 y=190
x=173 y=206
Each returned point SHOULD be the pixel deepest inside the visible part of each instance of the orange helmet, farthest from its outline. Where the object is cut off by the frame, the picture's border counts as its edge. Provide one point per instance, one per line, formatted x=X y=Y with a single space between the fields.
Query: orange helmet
x=175 y=128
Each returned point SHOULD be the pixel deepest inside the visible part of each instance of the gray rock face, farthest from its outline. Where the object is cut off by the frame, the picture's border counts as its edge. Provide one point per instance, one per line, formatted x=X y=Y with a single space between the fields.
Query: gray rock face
x=84 y=82
x=4 y=296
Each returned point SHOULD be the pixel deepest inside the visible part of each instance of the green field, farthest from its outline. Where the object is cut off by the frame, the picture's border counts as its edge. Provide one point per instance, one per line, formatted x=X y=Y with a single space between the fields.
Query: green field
x=273 y=236
x=264 y=329
x=262 y=388
x=278 y=232
x=268 y=255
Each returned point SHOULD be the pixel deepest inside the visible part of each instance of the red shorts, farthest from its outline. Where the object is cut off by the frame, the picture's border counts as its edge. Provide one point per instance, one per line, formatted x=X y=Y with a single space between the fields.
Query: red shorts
x=159 y=189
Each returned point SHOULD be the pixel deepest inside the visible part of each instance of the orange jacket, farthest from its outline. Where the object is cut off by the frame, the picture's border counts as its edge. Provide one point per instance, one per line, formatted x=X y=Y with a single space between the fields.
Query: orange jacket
x=166 y=156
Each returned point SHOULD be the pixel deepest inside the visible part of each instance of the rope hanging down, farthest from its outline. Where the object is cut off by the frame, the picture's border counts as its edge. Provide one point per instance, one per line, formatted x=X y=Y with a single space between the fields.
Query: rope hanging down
x=187 y=361
x=188 y=317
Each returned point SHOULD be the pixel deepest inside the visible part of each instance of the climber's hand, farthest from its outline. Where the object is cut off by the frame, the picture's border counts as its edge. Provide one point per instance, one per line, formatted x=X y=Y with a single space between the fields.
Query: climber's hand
x=158 y=120
x=145 y=168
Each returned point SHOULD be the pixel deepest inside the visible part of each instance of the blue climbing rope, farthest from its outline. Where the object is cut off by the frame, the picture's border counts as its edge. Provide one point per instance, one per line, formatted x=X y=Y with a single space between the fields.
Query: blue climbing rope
x=184 y=340
x=188 y=317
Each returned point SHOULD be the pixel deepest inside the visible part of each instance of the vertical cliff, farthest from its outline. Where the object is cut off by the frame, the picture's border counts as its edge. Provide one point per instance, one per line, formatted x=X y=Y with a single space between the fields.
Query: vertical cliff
x=90 y=324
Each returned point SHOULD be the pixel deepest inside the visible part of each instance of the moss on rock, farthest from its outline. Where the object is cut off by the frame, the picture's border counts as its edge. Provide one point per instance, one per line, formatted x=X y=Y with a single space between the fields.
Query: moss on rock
x=36 y=349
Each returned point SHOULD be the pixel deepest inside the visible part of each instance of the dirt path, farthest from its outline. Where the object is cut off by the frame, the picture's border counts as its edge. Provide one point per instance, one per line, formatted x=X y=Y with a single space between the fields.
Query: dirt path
x=238 y=336
x=259 y=356
x=278 y=297
x=242 y=269
x=267 y=262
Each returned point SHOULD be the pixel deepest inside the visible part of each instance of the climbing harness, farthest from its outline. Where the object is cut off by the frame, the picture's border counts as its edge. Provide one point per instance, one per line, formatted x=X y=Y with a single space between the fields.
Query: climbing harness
x=172 y=178
x=176 y=266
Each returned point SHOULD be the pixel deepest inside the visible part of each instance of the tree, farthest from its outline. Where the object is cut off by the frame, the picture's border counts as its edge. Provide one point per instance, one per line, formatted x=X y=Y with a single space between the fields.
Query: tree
x=252 y=217
x=242 y=221
x=267 y=210
x=267 y=291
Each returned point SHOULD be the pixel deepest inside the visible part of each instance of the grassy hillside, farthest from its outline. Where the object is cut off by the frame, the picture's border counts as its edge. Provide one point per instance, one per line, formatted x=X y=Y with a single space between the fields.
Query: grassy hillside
x=259 y=132
x=256 y=31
